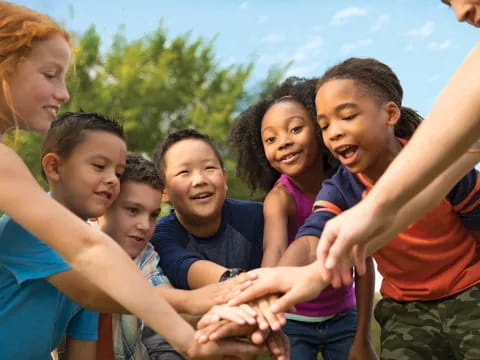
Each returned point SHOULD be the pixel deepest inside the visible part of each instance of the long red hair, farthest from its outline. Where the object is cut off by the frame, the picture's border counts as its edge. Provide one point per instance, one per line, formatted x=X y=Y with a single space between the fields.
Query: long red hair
x=20 y=29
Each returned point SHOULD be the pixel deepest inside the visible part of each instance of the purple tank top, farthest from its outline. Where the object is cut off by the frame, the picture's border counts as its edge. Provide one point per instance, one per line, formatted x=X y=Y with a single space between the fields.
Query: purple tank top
x=330 y=301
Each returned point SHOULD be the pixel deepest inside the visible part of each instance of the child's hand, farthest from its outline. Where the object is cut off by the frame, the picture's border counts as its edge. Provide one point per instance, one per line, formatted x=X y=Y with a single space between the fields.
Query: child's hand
x=223 y=329
x=234 y=349
x=362 y=350
x=241 y=315
x=204 y=298
x=348 y=234
x=278 y=345
x=298 y=283
x=265 y=317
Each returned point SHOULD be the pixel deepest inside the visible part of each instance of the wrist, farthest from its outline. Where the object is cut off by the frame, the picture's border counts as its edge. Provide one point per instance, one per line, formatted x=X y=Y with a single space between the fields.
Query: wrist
x=230 y=273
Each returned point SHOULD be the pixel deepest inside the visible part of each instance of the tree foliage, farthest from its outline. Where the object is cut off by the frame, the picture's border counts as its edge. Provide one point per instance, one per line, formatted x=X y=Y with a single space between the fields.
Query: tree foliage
x=153 y=86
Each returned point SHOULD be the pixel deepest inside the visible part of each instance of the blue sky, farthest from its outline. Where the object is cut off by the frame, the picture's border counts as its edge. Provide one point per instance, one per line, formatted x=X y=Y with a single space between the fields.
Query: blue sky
x=419 y=39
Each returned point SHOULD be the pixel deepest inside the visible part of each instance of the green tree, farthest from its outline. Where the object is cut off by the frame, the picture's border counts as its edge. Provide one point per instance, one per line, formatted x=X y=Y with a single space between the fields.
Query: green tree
x=154 y=86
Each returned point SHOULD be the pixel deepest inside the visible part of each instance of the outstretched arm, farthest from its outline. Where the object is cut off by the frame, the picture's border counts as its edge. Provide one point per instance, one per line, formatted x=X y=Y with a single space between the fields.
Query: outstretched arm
x=414 y=209
x=97 y=257
x=448 y=131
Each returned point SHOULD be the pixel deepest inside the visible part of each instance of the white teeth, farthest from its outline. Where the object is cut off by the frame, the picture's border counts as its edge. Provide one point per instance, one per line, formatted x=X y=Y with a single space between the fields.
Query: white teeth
x=288 y=157
x=52 y=111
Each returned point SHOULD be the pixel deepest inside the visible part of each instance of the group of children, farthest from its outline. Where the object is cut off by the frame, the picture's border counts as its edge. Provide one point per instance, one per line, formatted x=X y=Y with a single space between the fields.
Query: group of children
x=316 y=146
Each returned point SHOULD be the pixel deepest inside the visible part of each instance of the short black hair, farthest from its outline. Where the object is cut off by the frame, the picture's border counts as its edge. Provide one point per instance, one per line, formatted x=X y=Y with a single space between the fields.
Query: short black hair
x=175 y=137
x=140 y=169
x=67 y=131
x=245 y=136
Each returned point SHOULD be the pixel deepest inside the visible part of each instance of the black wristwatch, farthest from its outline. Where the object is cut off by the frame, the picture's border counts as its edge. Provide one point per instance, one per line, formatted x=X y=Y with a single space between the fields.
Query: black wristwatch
x=230 y=273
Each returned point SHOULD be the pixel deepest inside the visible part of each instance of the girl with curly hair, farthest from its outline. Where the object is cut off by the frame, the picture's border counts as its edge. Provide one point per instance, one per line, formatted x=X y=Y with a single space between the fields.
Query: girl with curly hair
x=280 y=149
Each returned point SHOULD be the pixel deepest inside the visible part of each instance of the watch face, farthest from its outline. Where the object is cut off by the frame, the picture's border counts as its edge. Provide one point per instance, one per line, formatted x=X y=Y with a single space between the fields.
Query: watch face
x=230 y=273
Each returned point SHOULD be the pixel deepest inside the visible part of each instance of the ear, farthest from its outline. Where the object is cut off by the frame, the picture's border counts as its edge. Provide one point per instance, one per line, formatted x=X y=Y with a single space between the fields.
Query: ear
x=393 y=113
x=51 y=164
x=225 y=175
x=165 y=198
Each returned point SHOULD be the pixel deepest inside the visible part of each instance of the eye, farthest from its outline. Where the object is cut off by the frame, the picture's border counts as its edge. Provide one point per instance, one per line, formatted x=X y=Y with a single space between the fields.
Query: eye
x=132 y=210
x=49 y=75
x=182 y=172
x=210 y=167
x=119 y=175
x=323 y=127
x=270 y=140
x=351 y=117
x=98 y=166
x=154 y=215
x=296 y=129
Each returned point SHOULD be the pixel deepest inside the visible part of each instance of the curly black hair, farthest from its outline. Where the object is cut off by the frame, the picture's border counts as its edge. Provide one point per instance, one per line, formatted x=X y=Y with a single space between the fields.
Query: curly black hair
x=380 y=81
x=140 y=169
x=245 y=137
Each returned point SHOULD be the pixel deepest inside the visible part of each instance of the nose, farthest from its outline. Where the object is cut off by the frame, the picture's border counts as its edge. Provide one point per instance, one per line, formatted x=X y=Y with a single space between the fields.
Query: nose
x=143 y=222
x=464 y=12
x=284 y=141
x=111 y=178
x=334 y=131
x=61 y=94
x=198 y=178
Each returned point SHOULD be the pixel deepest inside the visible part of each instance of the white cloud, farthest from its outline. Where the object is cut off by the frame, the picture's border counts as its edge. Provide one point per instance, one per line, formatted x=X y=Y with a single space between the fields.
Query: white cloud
x=342 y=16
x=272 y=39
x=308 y=50
x=381 y=21
x=302 y=70
x=434 y=45
x=244 y=5
x=423 y=31
x=263 y=19
x=352 y=47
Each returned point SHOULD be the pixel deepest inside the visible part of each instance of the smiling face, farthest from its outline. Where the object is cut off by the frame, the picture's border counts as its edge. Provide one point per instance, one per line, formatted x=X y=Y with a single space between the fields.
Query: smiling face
x=87 y=181
x=356 y=128
x=466 y=10
x=195 y=183
x=38 y=84
x=131 y=219
x=288 y=137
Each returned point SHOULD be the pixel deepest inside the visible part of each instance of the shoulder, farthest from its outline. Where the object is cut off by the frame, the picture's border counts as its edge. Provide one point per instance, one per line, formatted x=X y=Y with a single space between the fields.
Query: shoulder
x=168 y=230
x=243 y=206
x=168 y=223
x=9 y=229
x=278 y=199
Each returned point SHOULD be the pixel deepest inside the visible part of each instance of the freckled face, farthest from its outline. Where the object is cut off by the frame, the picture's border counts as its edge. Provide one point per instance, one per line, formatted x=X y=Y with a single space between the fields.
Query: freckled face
x=38 y=85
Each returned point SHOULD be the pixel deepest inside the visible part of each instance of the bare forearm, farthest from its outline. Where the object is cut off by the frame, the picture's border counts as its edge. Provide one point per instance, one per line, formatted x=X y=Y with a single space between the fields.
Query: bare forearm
x=272 y=256
x=203 y=272
x=454 y=122
x=300 y=252
x=364 y=290
x=426 y=200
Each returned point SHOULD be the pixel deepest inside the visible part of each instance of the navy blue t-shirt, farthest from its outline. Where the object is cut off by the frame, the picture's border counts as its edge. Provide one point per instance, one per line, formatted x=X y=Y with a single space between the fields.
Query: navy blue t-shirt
x=237 y=243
